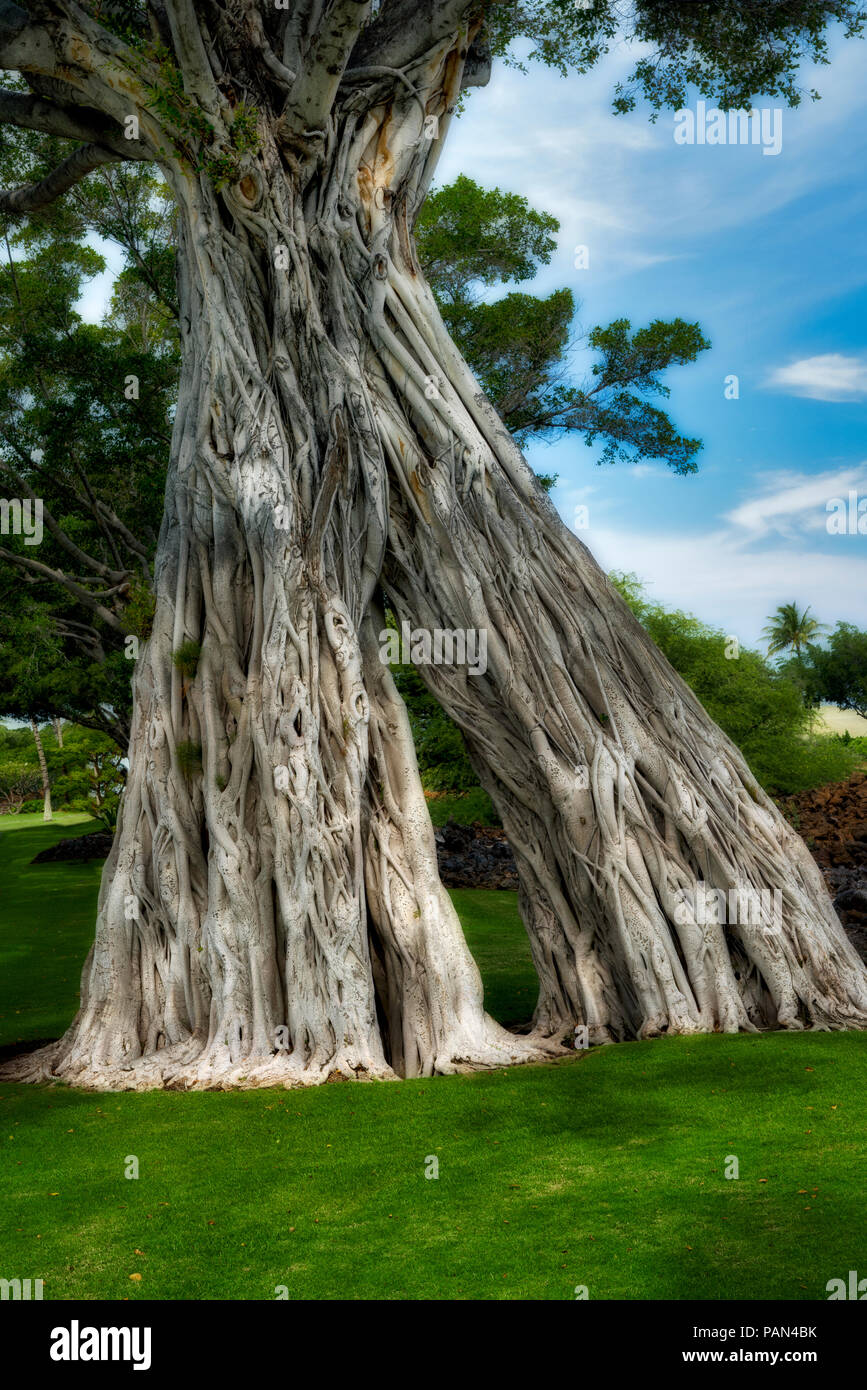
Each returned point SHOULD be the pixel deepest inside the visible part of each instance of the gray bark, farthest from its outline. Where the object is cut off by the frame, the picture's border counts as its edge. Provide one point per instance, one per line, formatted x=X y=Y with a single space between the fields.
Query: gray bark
x=621 y=798
x=271 y=910
x=43 y=770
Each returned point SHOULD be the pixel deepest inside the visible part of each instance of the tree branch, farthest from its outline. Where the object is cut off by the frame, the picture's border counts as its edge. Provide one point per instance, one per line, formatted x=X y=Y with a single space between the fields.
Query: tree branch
x=23 y=43
x=90 y=68
x=132 y=541
x=33 y=113
x=32 y=196
x=58 y=577
x=104 y=571
x=313 y=94
x=67 y=123
x=378 y=70
x=189 y=45
x=404 y=30
x=277 y=68
x=12 y=20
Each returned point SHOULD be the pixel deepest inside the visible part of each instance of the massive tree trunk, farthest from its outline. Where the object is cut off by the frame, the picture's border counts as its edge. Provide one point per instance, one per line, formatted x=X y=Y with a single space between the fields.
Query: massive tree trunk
x=271 y=909
x=663 y=891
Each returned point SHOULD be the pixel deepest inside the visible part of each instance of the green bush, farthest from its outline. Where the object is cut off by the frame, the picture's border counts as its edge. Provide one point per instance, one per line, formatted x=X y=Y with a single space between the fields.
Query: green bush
x=838 y=672
x=785 y=766
x=439 y=744
x=87 y=773
x=189 y=758
x=186 y=659
x=466 y=808
x=858 y=744
x=761 y=708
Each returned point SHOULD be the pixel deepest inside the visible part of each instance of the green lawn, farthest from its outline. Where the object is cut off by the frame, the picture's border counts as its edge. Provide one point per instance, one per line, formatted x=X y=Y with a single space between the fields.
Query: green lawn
x=47 y=913
x=605 y=1170
x=495 y=935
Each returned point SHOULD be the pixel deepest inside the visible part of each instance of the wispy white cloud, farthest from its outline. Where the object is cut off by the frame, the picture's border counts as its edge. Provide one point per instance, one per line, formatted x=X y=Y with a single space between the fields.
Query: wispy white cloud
x=621 y=185
x=735 y=228
x=731 y=587
x=828 y=377
x=794 y=503
x=650 y=470
x=734 y=570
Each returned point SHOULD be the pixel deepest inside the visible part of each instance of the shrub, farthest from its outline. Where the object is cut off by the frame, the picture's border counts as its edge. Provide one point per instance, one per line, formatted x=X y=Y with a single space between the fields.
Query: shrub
x=186 y=659
x=761 y=708
x=466 y=808
x=87 y=774
x=189 y=757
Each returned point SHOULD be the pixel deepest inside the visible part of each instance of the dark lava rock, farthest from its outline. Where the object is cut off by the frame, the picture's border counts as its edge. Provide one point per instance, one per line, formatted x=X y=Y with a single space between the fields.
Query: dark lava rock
x=831 y=820
x=78 y=850
x=853 y=900
x=848 y=888
x=475 y=856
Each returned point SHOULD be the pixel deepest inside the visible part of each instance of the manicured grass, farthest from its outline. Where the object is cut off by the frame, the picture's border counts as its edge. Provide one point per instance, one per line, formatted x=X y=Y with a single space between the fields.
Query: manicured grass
x=47 y=913
x=606 y=1169
x=496 y=936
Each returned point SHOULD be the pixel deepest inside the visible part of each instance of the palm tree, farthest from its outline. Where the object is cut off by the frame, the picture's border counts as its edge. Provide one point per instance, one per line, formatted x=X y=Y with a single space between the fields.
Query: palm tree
x=788 y=627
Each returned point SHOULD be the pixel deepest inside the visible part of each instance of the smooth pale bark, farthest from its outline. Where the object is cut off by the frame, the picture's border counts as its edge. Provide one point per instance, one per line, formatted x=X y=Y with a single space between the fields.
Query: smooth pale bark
x=43 y=770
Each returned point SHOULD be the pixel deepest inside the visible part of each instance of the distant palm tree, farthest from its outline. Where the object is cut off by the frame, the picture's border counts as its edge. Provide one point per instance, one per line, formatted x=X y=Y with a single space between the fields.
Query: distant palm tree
x=790 y=628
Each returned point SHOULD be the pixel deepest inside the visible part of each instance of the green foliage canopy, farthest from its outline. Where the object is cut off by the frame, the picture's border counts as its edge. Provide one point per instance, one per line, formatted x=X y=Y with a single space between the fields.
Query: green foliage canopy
x=838 y=673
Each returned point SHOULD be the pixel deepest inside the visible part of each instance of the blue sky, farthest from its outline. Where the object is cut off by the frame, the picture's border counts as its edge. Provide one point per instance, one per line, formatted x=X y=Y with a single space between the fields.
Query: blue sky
x=769 y=254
